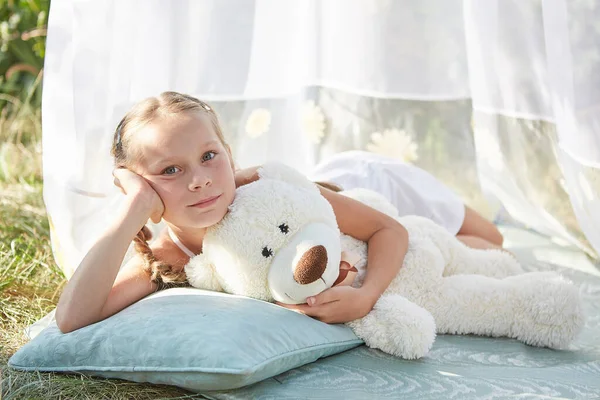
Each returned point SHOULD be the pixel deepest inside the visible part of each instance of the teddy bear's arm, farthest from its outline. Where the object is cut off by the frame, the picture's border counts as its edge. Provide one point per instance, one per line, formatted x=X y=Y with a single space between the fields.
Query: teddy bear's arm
x=397 y=326
x=282 y=172
x=201 y=274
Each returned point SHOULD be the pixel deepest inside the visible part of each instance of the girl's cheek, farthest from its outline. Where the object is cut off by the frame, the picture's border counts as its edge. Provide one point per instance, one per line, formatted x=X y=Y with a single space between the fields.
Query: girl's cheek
x=162 y=188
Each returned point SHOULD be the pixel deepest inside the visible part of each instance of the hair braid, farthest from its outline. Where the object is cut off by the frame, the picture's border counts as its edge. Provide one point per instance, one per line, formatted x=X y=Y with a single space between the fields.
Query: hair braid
x=159 y=272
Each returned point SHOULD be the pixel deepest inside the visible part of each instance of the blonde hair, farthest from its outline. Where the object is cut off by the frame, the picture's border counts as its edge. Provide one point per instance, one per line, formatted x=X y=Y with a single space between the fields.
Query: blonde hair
x=143 y=113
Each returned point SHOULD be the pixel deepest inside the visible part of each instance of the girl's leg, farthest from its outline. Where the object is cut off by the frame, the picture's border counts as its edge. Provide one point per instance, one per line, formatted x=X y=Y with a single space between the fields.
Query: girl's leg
x=478 y=231
x=475 y=242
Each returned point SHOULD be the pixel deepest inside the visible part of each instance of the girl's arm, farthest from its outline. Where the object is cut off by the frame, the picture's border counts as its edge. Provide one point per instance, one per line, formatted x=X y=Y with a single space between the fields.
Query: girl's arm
x=94 y=292
x=387 y=241
x=246 y=175
x=386 y=238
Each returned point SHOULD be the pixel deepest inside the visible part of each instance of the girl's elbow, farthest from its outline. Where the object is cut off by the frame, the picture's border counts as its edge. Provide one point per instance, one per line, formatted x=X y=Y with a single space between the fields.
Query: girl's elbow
x=65 y=328
x=398 y=228
x=63 y=322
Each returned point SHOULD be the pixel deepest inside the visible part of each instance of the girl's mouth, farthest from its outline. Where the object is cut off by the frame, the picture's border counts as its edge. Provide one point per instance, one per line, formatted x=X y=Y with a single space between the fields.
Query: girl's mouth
x=206 y=202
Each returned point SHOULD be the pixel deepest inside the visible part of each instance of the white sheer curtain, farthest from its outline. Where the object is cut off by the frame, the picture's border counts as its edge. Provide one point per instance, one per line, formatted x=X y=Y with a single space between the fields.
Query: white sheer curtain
x=502 y=96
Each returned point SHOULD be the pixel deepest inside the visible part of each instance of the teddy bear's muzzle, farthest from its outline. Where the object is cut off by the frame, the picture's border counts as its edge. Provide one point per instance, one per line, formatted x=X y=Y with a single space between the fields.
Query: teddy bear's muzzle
x=307 y=264
x=311 y=266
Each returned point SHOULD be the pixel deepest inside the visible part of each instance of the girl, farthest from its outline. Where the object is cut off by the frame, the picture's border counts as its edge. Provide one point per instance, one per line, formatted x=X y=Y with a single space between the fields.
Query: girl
x=412 y=190
x=172 y=163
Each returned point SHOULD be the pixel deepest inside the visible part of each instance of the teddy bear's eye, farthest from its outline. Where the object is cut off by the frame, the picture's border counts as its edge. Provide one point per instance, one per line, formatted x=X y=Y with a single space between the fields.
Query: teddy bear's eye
x=284 y=228
x=267 y=252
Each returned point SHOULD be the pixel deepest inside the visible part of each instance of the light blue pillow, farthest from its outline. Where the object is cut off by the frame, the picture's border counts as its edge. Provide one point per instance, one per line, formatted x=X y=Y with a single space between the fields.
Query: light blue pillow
x=191 y=338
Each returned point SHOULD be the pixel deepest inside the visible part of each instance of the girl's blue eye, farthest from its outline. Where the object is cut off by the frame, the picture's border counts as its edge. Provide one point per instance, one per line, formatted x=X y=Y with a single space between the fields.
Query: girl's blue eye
x=170 y=170
x=209 y=155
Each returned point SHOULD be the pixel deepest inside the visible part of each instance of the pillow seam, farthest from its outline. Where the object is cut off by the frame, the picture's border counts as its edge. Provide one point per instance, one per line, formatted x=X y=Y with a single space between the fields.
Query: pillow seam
x=238 y=371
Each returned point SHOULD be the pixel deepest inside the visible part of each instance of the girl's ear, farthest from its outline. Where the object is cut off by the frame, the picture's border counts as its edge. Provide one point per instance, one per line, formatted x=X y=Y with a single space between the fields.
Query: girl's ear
x=201 y=274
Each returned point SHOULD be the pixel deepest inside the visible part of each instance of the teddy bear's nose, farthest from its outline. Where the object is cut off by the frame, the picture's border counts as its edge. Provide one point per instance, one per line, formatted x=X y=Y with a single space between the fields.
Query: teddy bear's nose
x=311 y=266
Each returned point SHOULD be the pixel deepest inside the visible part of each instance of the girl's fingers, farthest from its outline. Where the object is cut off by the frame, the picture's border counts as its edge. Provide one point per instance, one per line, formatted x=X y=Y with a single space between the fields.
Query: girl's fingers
x=311 y=311
x=117 y=183
x=128 y=181
x=324 y=297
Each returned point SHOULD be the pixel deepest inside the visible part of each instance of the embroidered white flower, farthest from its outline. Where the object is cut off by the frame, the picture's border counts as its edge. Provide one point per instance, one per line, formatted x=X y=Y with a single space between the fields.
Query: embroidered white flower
x=394 y=143
x=258 y=123
x=313 y=122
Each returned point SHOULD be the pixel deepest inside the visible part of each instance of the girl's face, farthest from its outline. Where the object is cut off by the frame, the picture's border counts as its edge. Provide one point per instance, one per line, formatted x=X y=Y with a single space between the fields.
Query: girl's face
x=187 y=165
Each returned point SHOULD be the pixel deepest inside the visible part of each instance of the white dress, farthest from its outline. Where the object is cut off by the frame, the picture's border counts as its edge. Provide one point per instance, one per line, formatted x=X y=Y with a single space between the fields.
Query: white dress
x=412 y=190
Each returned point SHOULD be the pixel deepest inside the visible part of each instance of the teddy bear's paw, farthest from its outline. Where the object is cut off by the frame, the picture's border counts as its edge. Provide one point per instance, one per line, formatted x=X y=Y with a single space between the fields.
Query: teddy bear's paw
x=201 y=274
x=398 y=327
x=548 y=312
x=373 y=200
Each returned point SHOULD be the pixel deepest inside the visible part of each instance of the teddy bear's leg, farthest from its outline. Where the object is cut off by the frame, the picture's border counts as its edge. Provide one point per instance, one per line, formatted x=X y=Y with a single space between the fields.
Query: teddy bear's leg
x=461 y=259
x=423 y=265
x=471 y=304
x=397 y=326
x=548 y=309
x=538 y=308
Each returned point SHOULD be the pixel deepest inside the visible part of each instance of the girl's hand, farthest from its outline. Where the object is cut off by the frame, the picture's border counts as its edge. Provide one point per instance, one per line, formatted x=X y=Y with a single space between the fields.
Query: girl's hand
x=337 y=304
x=136 y=187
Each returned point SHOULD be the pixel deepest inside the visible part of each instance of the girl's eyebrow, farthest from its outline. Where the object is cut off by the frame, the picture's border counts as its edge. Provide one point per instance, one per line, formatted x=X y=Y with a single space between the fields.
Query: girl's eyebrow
x=210 y=143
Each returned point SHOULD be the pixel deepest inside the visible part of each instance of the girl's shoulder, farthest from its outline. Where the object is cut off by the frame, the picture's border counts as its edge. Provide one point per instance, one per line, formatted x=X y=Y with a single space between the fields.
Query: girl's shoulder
x=165 y=250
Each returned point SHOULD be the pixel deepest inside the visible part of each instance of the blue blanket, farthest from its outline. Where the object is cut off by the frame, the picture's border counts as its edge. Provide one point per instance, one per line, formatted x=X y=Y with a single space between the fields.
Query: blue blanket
x=459 y=367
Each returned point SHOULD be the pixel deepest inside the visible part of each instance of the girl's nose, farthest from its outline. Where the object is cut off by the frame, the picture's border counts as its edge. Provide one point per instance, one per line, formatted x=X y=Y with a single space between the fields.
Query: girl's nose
x=199 y=181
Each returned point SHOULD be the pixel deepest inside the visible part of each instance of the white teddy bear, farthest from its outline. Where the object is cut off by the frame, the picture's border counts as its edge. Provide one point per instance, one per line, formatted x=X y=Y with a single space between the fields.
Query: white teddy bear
x=280 y=241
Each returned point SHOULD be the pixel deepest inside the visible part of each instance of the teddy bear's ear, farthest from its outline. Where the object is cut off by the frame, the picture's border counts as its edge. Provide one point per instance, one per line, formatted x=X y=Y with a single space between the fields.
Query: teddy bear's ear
x=282 y=172
x=373 y=200
x=201 y=274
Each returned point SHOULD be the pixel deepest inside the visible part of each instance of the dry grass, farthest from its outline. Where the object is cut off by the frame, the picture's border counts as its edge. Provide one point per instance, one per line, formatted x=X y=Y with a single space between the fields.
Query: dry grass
x=30 y=281
x=30 y=284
